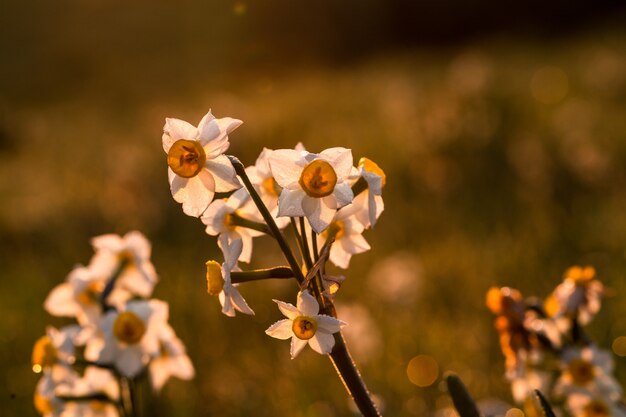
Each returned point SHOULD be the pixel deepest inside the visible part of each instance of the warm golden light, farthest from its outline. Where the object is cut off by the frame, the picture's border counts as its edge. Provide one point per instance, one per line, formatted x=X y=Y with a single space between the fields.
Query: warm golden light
x=304 y=327
x=318 y=179
x=371 y=166
x=619 y=346
x=186 y=158
x=549 y=85
x=422 y=370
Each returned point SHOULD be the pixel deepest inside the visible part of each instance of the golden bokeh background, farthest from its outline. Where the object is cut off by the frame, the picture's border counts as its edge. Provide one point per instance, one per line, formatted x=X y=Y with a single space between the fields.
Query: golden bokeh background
x=502 y=134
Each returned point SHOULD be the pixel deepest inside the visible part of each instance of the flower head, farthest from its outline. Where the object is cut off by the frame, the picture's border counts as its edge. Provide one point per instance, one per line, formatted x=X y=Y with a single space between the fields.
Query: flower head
x=171 y=361
x=349 y=240
x=313 y=185
x=219 y=282
x=197 y=167
x=261 y=177
x=579 y=296
x=305 y=326
x=368 y=205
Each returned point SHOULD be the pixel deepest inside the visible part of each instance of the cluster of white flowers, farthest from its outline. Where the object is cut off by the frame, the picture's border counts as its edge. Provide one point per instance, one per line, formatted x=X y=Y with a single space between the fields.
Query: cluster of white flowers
x=120 y=335
x=547 y=349
x=328 y=201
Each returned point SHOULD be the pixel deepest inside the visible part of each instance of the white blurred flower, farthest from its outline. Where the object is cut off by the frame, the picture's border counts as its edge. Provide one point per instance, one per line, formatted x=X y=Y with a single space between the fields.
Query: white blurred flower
x=525 y=382
x=56 y=347
x=95 y=381
x=579 y=296
x=314 y=185
x=218 y=219
x=582 y=404
x=261 y=177
x=78 y=297
x=305 y=326
x=368 y=205
x=219 y=282
x=45 y=399
x=171 y=361
x=129 y=338
x=129 y=257
x=588 y=370
x=197 y=167
x=349 y=240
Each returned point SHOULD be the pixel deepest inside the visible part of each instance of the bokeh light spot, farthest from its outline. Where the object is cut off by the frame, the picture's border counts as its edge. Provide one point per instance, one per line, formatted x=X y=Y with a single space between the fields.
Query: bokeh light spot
x=549 y=85
x=422 y=370
x=619 y=346
x=37 y=369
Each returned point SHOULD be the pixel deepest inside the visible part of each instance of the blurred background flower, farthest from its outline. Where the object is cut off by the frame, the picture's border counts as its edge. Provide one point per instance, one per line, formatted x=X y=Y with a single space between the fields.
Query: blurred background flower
x=500 y=127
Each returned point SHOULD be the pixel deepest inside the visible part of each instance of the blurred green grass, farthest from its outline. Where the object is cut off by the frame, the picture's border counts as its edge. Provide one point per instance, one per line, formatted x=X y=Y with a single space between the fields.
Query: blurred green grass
x=498 y=174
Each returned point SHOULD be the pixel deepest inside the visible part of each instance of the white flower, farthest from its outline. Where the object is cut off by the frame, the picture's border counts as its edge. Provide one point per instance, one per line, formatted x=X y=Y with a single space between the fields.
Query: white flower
x=314 y=185
x=95 y=381
x=218 y=219
x=261 y=177
x=129 y=258
x=172 y=360
x=581 y=404
x=348 y=238
x=129 y=338
x=45 y=399
x=197 y=167
x=219 y=282
x=368 y=205
x=55 y=348
x=580 y=294
x=588 y=370
x=305 y=326
x=78 y=297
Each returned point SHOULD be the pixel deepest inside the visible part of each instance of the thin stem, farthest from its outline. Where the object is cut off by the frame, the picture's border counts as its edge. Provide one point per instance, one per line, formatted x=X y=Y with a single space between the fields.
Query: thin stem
x=359 y=186
x=316 y=253
x=237 y=220
x=294 y=227
x=278 y=272
x=109 y=287
x=351 y=378
x=284 y=246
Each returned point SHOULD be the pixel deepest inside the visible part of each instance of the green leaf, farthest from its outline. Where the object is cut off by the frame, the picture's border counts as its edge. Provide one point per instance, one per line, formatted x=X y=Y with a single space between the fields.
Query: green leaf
x=463 y=401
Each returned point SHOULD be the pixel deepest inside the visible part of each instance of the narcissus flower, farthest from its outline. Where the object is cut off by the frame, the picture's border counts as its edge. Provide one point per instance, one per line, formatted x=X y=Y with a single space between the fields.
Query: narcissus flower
x=349 y=240
x=583 y=404
x=305 y=326
x=218 y=278
x=219 y=219
x=579 y=296
x=171 y=361
x=129 y=338
x=128 y=257
x=369 y=204
x=56 y=347
x=197 y=166
x=313 y=185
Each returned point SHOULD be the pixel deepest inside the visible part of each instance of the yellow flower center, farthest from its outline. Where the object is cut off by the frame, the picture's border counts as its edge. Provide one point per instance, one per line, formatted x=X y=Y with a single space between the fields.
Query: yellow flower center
x=42 y=404
x=304 y=327
x=91 y=293
x=128 y=328
x=318 y=179
x=44 y=354
x=582 y=371
x=371 y=166
x=230 y=221
x=271 y=186
x=214 y=279
x=596 y=408
x=336 y=229
x=186 y=158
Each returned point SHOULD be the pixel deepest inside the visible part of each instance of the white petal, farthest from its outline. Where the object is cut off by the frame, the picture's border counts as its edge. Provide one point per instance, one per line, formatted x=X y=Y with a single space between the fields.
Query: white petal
x=129 y=361
x=213 y=217
x=227 y=305
x=318 y=213
x=214 y=133
x=329 y=324
x=237 y=199
x=246 y=248
x=290 y=203
x=343 y=194
x=176 y=129
x=322 y=343
x=159 y=373
x=61 y=302
x=238 y=301
x=338 y=256
x=296 y=346
x=234 y=252
x=355 y=243
x=223 y=173
x=340 y=159
x=138 y=243
x=280 y=330
x=289 y=310
x=194 y=193
x=286 y=166
x=307 y=304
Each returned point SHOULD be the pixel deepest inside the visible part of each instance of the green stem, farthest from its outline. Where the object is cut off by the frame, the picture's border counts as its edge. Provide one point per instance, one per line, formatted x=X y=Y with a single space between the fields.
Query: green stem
x=279 y=272
x=111 y=284
x=267 y=216
x=237 y=220
x=359 y=186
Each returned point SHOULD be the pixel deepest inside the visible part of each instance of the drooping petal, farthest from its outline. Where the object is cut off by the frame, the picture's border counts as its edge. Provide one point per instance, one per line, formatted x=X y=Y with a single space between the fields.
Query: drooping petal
x=246 y=248
x=286 y=166
x=290 y=203
x=280 y=330
x=227 y=305
x=343 y=194
x=318 y=213
x=338 y=256
x=355 y=243
x=224 y=174
x=194 y=193
x=234 y=252
x=322 y=343
x=238 y=301
x=176 y=129
x=296 y=346
x=341 y=160
x=289 y=310
x=307 y=304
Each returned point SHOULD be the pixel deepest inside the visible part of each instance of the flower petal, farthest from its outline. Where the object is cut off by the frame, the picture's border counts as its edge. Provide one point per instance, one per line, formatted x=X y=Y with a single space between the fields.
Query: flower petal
x=318 y=213
x=223 y=173
x=238 y=301
x=329 y=324
x=176 y=129
x=289 y=310
x=307 y=304
x=343 y=194
x=280 y=330
x=286 y=166
x=290 y=203
x=61 y=302
x=194 y=193
x=322 y=343
x=296 y=346
x=341 y=160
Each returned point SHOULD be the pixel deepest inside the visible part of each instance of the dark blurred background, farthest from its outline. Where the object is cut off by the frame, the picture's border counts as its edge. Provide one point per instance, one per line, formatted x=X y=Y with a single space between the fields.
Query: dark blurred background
x=501 y=127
